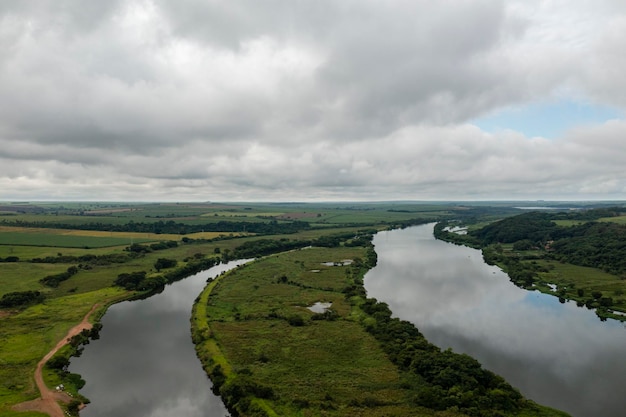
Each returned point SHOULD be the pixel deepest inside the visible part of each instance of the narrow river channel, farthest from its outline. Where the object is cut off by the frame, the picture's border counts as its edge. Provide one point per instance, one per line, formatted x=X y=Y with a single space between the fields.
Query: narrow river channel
x=556 y=354
x=144 y=363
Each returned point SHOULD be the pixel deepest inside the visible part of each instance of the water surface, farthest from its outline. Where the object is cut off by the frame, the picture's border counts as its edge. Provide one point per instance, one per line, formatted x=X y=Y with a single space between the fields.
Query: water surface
x=144 y=364
x=556 y=354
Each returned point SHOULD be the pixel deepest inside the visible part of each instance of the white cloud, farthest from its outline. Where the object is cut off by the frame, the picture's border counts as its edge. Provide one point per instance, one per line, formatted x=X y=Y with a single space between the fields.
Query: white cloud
x=330 y=100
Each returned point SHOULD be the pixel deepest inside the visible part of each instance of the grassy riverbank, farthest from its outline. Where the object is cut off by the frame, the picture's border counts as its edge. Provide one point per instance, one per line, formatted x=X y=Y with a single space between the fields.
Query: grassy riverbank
x=269 y=355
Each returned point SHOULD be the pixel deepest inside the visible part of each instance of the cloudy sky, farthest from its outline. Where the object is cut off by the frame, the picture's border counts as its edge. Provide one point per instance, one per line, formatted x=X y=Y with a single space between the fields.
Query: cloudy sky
x=197 y=100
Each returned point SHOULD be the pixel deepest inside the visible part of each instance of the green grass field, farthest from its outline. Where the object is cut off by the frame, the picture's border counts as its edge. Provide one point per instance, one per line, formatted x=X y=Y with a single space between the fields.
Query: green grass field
x=322 y=368
x=24 y=276
x=618 y=219
x=572 y=278
x=245 y=322
x=62 y=241
x=199 y=213
x=567 y=223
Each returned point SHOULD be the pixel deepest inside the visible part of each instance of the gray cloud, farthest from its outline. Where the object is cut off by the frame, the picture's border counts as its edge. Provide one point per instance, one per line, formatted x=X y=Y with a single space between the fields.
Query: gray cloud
x=303 y=100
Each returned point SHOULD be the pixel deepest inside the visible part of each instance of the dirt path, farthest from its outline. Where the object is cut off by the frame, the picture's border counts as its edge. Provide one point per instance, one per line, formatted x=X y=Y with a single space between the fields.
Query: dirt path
x=48 y=403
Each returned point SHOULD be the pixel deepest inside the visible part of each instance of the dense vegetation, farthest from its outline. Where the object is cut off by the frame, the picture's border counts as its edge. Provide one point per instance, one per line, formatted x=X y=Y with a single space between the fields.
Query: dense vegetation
x=440 y=380
x=20 y=298
x=172 y=227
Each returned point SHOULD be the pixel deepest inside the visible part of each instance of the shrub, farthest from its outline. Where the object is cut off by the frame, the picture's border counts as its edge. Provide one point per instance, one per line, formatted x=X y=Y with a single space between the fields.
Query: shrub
x=20 y=298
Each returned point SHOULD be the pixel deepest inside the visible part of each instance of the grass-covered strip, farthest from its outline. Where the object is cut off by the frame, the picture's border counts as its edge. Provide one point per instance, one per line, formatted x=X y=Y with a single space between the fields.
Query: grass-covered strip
x=61 y=241
x=268 y=354
x=22 y=276
x=125 y=236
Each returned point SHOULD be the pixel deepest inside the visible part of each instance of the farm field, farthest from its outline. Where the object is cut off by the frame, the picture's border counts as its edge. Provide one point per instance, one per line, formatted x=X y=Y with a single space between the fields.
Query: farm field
x=119 y=214
x=39 y=238
x=34 y=236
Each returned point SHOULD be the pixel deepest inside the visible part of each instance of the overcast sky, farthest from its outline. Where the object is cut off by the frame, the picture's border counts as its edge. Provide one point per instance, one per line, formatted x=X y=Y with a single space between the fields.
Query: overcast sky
x=300 y=100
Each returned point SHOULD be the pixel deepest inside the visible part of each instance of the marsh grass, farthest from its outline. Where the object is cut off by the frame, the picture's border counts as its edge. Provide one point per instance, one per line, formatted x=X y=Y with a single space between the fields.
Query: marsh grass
x=572 y=278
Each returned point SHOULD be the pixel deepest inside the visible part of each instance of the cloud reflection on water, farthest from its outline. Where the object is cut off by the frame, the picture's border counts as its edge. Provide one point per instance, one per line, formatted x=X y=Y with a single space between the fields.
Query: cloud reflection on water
x=144 y=364
x=557 y=354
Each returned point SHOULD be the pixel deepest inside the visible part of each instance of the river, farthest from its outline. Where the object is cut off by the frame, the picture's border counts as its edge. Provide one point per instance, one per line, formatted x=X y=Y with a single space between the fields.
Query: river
x=556 y=354
x=144 y=364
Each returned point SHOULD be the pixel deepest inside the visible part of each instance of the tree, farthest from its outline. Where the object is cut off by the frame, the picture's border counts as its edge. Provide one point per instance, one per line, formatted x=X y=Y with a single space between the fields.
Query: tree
x=164 y=263
x=20 y=298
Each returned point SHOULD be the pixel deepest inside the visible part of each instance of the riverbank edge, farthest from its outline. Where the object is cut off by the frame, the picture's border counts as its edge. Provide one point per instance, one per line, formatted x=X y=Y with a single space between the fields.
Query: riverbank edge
x=440 y=233
x=69 y=351
x=207 y=350
x=219 y=370
x=63 y=348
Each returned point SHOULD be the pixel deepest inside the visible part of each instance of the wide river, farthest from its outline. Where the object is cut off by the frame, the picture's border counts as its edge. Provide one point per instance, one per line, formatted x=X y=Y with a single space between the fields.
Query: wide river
x=557 y=354
x=144 y=364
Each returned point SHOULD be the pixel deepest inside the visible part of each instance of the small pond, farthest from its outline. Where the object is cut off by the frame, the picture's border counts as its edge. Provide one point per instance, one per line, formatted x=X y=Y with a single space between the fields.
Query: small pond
x=320 y=307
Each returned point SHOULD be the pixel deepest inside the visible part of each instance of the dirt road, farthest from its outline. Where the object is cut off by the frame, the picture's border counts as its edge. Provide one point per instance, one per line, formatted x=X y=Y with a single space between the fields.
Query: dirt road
x=48 y=403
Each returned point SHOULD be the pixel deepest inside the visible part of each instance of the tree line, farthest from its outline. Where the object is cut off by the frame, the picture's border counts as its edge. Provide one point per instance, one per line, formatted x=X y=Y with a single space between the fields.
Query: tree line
x=440 y=380
x=591 y=243
x=171 y=227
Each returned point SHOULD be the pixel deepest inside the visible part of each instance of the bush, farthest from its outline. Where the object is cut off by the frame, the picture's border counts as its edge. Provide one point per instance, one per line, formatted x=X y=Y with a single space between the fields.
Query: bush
x=164 y=263
x=56 y=279
x=20 y=298
x=130 y=281
x=295 y=320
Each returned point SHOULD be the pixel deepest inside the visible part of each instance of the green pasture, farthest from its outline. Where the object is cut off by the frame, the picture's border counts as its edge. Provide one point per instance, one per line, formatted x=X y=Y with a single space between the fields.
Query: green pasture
x=23 y=276
x=618 y=219
x=198 y=213
x=571 y=278
x=371 y=217
x=567 y=223
x=63 y=241
x=26 y=253
x=328 y=365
